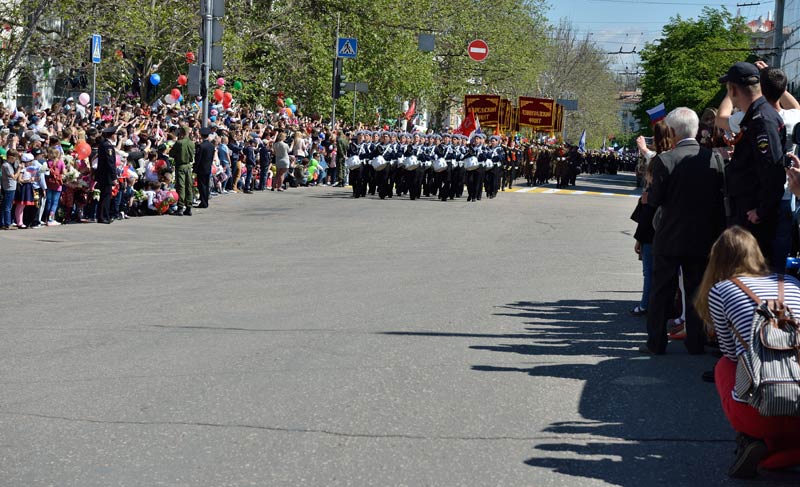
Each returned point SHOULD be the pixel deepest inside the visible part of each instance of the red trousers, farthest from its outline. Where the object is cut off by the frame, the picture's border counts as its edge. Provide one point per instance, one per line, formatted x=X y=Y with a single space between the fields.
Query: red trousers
x=780 y=433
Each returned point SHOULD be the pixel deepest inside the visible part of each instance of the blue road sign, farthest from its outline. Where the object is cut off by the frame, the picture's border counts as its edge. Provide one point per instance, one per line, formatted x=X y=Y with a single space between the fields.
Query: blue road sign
x=347 y=48
x=96 y=41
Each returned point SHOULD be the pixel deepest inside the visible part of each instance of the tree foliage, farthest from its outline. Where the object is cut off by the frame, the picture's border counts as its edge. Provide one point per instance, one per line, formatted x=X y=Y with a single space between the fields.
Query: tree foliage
x=682 y=68
x=578 y=69
x=287 y=46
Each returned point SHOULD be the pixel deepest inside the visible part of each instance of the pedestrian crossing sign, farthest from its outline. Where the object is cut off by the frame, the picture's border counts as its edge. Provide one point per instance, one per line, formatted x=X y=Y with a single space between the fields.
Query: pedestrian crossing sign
x=95 y=48
x=347 y=48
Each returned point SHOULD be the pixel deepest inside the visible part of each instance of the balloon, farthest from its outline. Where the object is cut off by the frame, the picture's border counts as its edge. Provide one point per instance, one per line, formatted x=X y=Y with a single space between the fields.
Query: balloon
x=293 y=108
x=214 y=112
x=227 y=97
x=83 y=150
x=289 y=112
x=237 y=85
x=281 y=103
x=213 y=118
x=176 y=93
x=218 y=95
x=190 y=57
x=182 y=80
x=289 y=102
x=220 y=81
x=155 y=79
x=226 y=105
x=169 y=99
x=180 y=98
x=84 y=99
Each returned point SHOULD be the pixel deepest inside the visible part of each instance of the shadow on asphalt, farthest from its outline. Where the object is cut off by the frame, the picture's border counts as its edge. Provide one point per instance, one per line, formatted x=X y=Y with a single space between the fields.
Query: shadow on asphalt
x=644 y=420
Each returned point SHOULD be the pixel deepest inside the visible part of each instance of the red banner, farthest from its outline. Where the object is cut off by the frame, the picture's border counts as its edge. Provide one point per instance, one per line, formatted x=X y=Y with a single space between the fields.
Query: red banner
x=538 y=113
x=486 y=108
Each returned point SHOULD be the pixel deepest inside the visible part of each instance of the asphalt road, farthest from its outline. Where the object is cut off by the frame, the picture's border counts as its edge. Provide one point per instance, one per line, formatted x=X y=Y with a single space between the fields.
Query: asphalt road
x=309 y=339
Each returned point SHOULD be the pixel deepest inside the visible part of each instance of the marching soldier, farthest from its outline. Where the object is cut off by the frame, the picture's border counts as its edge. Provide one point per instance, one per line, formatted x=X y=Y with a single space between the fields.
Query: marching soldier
x=442 y=183
x=475 y=176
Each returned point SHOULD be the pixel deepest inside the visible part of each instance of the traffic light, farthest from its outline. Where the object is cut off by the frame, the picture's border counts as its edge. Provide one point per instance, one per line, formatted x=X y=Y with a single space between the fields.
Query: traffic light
x=338 y=79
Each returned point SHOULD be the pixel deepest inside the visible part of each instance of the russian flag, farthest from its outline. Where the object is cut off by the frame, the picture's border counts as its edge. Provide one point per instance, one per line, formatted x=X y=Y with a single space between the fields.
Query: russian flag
x=657 y=113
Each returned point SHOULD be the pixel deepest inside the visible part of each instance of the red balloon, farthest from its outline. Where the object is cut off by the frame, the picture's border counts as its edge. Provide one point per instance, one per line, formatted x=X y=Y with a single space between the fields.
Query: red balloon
x=228 y=97
x=182 y=80
x=226 y=104
x=83 y=150
x=281 y=102
x=190 y=57
x=176 y=93
x=218 y=95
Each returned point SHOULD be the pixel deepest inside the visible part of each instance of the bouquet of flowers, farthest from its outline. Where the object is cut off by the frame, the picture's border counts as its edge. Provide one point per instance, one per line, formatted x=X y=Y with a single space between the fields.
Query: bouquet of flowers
x=164 y=199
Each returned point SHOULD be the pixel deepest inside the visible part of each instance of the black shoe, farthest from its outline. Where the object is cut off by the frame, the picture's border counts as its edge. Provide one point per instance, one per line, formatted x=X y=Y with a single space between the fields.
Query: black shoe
x=638 y=311
x=644 y=349
x=247 y=191
x=749 y=453
x=187 y=212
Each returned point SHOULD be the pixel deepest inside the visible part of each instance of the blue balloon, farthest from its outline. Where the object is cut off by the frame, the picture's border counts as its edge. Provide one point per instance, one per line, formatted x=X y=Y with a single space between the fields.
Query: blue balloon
x=293 y=108
x=155 y=79
x=180 y=99
x=213 y=118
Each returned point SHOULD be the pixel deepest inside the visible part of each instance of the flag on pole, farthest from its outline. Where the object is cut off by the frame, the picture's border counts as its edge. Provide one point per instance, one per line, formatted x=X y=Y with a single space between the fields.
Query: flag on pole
x=469 y=126
x=657 y=113
x=411 y=110
x=582 y=142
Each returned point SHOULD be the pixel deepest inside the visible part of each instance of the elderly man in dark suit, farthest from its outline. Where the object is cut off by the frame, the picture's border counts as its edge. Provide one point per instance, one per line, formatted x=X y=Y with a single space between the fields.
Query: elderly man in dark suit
x=687 y=191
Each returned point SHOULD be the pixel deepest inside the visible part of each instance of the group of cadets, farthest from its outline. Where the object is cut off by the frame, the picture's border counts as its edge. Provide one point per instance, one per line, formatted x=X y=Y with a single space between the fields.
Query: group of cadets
x=434 y=165
x=387 y=164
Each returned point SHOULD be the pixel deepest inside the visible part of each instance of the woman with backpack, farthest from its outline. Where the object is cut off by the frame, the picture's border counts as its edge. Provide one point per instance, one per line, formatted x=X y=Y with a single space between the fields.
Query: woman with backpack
x=736 y=282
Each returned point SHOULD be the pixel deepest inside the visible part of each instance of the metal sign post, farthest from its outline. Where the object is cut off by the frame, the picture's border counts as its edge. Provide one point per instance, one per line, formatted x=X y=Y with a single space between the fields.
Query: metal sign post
x=207 y=20
x=335 y=56
x=95 y=51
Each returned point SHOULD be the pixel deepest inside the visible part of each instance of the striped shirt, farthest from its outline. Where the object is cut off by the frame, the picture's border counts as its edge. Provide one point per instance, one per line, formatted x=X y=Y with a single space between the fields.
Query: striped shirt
x=729 y=304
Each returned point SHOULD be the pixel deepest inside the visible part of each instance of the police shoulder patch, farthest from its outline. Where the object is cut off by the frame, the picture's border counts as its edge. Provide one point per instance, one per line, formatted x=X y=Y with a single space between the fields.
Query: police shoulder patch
x=762 y=142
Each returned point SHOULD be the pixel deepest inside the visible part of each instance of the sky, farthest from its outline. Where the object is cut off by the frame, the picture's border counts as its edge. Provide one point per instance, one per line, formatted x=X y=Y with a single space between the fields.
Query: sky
x=627 y=24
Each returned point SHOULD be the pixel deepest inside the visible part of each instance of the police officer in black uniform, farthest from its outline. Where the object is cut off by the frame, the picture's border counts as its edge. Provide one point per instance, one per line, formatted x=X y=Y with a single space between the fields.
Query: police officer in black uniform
x=756 y=174
x=106 y=173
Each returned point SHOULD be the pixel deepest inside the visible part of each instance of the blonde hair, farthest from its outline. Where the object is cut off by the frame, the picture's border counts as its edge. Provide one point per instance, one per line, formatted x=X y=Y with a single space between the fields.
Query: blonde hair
x=735 y=253
x=53 y=154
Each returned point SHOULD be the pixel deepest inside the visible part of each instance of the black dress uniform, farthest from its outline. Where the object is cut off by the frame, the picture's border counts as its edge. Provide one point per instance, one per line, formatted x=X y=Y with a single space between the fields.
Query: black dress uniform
x=355 y=178
x=756 y=174
x=202 y=167
x=475 y=176
x=106 y=174
x=381 y=177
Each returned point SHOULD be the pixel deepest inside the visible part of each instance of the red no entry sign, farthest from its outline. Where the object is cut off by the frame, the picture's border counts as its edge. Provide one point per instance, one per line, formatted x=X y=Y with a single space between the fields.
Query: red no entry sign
x=478 y=50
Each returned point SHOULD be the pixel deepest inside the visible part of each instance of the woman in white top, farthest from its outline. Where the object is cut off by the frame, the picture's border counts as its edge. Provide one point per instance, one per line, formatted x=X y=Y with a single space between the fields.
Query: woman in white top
x=299 y=145
x=768 y=442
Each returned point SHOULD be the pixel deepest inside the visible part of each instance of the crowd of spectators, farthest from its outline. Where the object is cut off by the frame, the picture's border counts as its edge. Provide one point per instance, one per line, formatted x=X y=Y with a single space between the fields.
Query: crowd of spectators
x=715 y=225
x=49 y=159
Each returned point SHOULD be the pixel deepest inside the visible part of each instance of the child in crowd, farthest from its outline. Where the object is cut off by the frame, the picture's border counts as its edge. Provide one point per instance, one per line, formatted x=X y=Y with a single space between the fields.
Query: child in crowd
x=54 y=181
x=24 y=195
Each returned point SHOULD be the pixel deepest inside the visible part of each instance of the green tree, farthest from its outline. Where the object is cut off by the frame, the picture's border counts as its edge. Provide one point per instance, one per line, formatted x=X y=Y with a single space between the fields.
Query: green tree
x=578 y=69
x=682 y=68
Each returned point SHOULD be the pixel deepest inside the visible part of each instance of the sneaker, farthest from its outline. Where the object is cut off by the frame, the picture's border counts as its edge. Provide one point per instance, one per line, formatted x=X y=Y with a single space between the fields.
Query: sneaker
x=749 y=453
x=53 y=223
x=21 y=227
